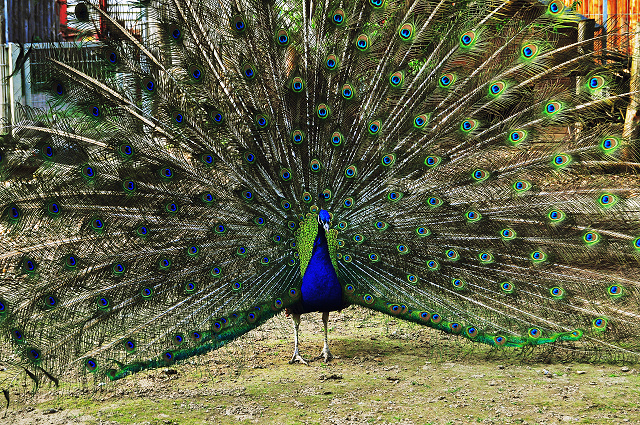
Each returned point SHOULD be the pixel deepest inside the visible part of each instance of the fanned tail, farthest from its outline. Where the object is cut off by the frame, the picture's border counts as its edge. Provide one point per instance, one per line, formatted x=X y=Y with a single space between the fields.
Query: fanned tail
x=151 y=214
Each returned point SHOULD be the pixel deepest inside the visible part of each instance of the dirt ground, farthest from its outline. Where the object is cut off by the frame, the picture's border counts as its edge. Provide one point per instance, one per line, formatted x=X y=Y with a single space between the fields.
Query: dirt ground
x=388 y=372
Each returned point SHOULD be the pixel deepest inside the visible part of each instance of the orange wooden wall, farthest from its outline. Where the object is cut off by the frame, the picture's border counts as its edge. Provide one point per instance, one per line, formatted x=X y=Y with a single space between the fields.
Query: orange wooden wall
x=622 y=15
x=624 y=11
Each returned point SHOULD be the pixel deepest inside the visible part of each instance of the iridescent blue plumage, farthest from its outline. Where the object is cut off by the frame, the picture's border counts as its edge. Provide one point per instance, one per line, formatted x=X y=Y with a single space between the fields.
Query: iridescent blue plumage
x=320 y=290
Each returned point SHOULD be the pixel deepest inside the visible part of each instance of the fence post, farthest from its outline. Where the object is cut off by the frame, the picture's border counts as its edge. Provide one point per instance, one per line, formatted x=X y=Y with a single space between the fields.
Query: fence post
x=632 y=119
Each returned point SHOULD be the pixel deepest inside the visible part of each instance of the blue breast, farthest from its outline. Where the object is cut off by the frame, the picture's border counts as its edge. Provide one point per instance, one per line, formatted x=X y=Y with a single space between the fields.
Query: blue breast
x=320 y=289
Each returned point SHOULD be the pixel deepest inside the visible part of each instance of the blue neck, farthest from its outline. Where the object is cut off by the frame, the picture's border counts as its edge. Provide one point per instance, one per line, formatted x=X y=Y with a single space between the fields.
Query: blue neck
x=320 y=289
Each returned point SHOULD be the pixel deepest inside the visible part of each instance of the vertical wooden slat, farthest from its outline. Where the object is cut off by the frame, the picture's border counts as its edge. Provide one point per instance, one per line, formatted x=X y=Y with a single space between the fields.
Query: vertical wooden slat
x=632 y=117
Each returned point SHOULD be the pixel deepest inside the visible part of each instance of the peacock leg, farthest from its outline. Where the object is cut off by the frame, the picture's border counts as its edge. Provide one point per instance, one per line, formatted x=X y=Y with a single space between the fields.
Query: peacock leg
x=325 y=354
x=296 y=354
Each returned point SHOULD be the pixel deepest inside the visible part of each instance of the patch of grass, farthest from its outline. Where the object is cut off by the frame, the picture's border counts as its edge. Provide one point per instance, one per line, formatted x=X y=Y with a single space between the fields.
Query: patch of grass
x=427 y=377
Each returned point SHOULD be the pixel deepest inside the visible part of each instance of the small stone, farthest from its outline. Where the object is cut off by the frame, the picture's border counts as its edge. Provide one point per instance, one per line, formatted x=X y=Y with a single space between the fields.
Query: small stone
x=580 y=372
x=500 y=366
x=50 y=411
x=624 y=369
x=567 y=419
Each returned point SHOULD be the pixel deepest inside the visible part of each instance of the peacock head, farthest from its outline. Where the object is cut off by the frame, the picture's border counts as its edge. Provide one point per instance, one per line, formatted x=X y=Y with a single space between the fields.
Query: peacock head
x=324 y=218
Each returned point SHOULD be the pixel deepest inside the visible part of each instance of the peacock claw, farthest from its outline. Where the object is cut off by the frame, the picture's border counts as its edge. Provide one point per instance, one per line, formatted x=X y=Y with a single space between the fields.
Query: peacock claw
x=297 y=358
x=326 y=356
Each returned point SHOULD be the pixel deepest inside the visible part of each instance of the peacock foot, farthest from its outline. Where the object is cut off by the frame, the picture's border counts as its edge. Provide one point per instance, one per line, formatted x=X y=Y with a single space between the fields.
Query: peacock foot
x=326 y=355
x=297 y=358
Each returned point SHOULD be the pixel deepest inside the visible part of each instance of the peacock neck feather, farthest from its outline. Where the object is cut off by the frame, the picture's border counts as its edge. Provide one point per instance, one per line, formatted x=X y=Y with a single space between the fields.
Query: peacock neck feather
x=317 y=248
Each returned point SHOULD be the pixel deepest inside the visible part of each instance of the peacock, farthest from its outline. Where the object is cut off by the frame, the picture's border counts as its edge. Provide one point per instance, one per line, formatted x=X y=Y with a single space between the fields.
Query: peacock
x=460 y=164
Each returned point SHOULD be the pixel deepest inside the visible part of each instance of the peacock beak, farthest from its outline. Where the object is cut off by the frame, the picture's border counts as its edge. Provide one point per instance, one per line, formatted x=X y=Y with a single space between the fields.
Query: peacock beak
x=324 y=218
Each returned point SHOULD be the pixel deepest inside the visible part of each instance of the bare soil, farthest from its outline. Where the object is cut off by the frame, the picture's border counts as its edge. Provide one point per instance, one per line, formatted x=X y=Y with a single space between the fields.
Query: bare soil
x=389 y=372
